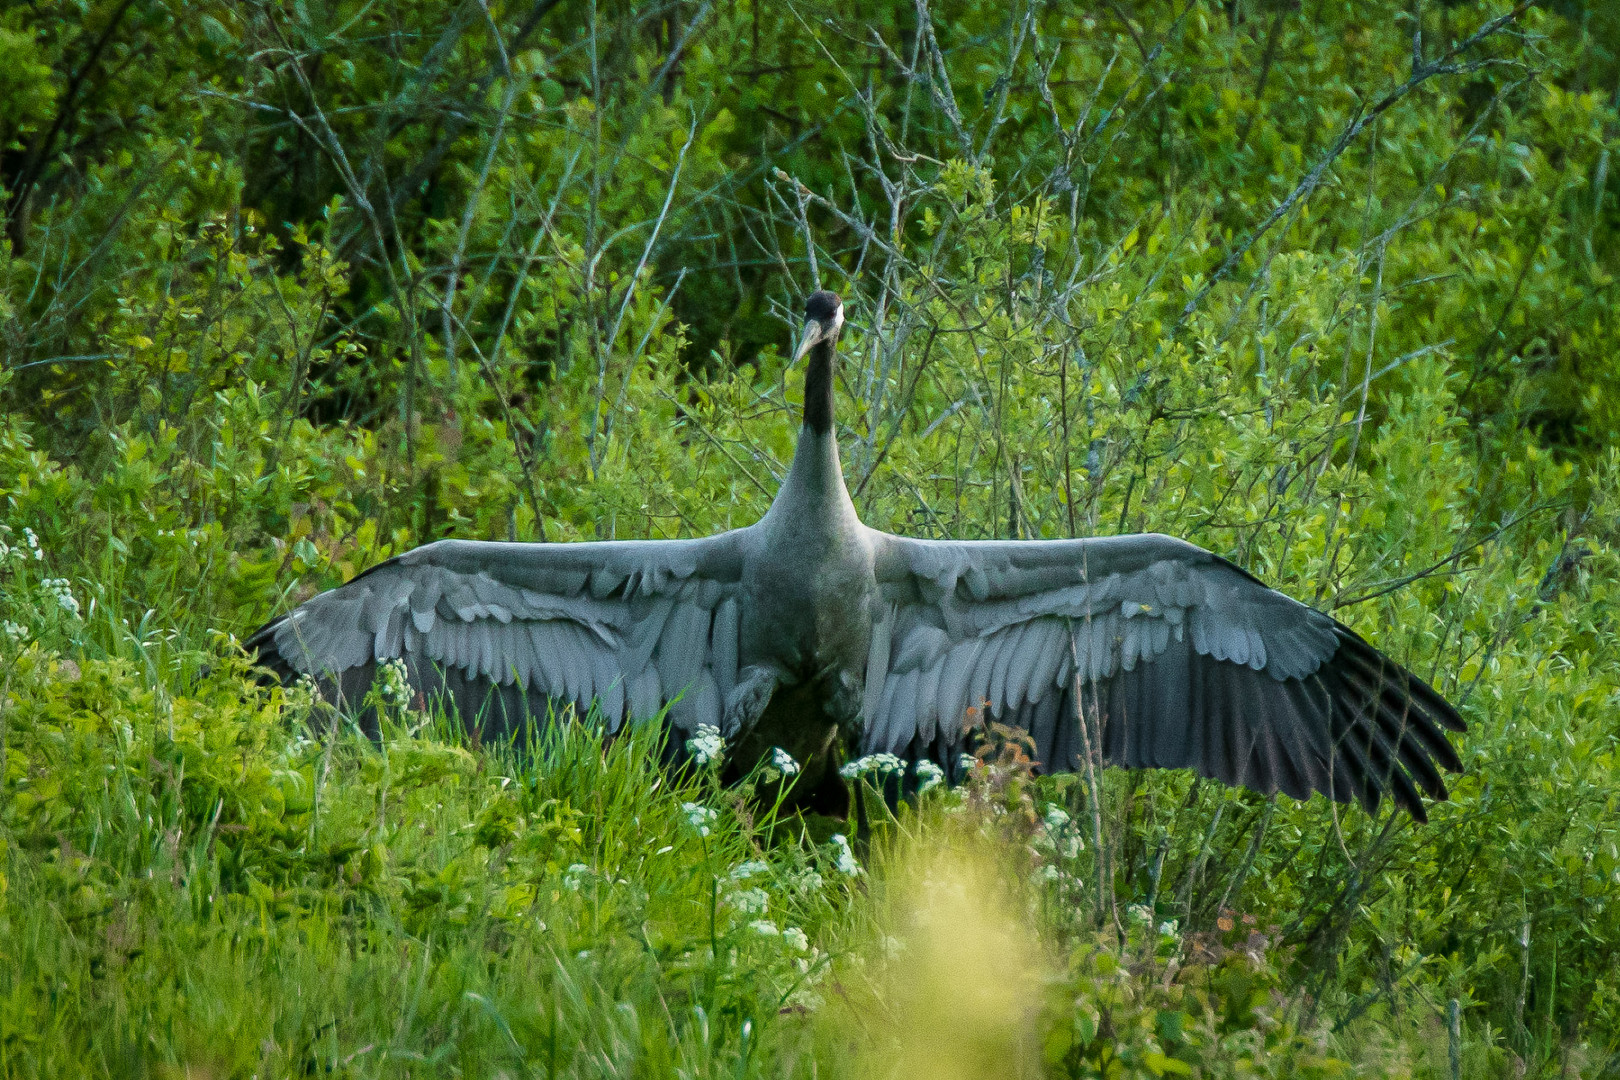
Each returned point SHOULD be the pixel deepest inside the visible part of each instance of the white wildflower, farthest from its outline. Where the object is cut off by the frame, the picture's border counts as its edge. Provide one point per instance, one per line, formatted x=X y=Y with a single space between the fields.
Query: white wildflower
x=698 y=816
x=62 y=592
x=706 y=746
x=806 y=881
x=750 y=901
x=1140 y=913
x=33 y=544
x=1169 y=928
x=882 y=764
x=302 y=694
x=744 y=871
x=1047 y=873
x=966 y=762
x=843 y=857
x=765 y=927
x=575 y=874
x=396 y=684
x=15 y=631
x=782 y=764
x=1061 y=835
x=796 y=939
x=929 y=776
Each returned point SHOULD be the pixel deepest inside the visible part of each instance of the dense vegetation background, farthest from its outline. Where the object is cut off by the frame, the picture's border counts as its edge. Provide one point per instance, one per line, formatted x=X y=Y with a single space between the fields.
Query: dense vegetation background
x=285 y=288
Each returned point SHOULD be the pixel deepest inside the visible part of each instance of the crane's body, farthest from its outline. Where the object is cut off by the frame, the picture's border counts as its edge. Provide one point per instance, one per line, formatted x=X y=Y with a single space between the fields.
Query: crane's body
x=810 y=632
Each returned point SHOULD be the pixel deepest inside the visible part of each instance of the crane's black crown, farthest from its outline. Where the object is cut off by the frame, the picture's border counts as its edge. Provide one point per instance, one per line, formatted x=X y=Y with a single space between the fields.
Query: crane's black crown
x=822 y=306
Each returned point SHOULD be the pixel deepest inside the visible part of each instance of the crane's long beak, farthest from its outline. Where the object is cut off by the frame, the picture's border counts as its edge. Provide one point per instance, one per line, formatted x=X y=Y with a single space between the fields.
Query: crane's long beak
x=811 y=334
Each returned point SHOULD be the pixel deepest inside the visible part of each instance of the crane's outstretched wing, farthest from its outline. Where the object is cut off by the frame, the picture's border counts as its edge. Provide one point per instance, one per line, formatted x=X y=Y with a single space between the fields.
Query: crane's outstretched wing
x=1180 y=658
x=504 y=631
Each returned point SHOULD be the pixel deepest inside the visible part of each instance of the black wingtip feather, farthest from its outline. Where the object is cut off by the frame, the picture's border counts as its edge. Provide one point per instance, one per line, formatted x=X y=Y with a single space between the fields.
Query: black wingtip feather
x=1386 y=753
x=1433 y=703
x=1392 y=686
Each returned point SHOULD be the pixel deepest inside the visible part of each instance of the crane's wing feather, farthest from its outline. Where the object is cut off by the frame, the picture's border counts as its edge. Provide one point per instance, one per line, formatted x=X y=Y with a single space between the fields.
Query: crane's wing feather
x=503 y=631
x=1178 y=659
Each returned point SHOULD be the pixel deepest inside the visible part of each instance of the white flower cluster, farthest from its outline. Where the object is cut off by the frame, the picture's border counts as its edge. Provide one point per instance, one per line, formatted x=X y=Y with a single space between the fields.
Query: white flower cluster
x=706 y=746
x=750 y=901
x=806 y=882
x=62 y=592
x=1141 y=913
x=792 y=936
x=7 y=551
x=15 y=631
x=929 y=776
x=782 y=765
x=751 y=868
x=1061 y=835
x=574 y=875
x=967 y=762
x=396 y=684
x=307 y=684
x=883 y=764
x=698 y=816
x=302 y=694
x=843 y=857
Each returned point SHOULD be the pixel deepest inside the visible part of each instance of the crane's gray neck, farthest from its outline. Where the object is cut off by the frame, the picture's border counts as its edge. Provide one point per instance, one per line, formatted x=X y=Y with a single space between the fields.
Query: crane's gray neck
x=815 y=483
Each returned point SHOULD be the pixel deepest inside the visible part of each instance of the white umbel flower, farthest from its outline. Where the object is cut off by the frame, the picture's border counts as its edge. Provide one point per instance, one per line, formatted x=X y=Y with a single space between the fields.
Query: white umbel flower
x=706 y=746
x=750 y=901
x=395 y=688
x=698 y=816
x=843 y=857
x=882 y=764
x=751 y=868
x=782 y=765
x=796 y=939
x=929 y=776
x=1061 y=835
x=61 y=591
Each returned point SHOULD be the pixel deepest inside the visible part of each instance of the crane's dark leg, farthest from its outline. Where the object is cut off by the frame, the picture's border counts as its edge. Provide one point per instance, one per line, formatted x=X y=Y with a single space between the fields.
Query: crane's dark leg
x=755 y=685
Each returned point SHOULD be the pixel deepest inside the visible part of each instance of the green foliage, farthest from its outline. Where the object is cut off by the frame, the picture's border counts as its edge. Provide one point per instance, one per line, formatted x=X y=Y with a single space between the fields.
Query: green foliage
x=285 y=290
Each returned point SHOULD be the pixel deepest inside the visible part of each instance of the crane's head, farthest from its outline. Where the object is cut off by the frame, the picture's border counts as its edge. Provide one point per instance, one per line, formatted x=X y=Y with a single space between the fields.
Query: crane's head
x=823 y=318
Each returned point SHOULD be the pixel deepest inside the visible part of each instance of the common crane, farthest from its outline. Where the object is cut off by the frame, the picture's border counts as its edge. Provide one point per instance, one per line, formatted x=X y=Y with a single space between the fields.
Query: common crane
x=811 y=632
